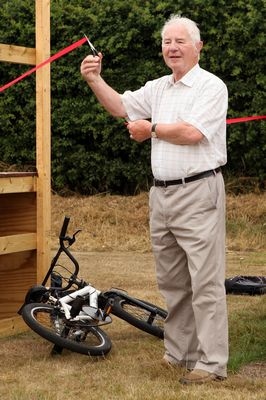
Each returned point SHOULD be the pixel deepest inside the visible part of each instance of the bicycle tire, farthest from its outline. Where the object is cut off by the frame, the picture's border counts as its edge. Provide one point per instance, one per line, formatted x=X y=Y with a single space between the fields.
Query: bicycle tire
x=48 y=322
x=137 y=313
x=246 y=285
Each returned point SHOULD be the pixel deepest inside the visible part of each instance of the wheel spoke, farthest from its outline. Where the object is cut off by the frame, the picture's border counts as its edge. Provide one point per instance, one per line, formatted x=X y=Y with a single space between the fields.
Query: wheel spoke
x=50 y=323
x=143 y=314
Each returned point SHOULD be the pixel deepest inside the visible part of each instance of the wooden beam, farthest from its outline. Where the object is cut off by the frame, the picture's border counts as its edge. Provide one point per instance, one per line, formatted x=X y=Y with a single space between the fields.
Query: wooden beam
x=17 y=243
x=17 y=54
x=43 y=137
x=17 y=183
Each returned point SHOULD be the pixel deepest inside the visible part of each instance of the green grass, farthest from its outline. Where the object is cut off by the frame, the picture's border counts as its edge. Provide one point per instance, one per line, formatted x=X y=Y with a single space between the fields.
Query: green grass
x=247 y=331
x=133 y=369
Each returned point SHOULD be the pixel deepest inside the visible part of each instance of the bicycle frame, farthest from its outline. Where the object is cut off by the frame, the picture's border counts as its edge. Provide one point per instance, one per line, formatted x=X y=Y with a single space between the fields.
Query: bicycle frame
x=89 y=312
x=80 y=309
x=89 y=291
x=84 y=289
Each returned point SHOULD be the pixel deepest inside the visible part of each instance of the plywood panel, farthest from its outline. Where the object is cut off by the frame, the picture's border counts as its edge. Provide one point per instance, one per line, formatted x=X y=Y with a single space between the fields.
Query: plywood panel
x=17 y=274
x=17 y=213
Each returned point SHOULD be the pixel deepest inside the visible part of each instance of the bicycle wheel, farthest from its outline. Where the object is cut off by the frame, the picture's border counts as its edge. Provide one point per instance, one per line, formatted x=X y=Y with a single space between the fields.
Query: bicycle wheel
x=141 y=314
x=50 y=323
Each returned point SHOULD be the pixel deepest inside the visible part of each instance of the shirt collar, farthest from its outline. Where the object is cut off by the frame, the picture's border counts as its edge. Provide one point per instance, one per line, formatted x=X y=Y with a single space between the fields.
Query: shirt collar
x=189 y=78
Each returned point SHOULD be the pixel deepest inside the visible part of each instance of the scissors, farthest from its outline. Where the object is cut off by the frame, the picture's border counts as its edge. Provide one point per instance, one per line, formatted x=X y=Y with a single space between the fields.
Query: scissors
x=94 y=51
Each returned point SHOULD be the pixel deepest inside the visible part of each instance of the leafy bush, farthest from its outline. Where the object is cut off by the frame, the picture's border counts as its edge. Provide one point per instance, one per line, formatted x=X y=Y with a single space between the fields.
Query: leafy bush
x=91 y=151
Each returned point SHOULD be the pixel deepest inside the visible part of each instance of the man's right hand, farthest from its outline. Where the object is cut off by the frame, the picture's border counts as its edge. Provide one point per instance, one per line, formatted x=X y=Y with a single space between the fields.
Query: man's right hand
x=91 y=67
x=109 y=98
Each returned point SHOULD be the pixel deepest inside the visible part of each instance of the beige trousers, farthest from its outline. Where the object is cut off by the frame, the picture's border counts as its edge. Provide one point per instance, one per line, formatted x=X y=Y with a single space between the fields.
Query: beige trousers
x=187 y=224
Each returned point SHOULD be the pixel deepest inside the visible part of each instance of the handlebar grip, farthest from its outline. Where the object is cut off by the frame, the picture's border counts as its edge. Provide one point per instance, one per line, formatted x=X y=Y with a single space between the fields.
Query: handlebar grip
x=64 y=227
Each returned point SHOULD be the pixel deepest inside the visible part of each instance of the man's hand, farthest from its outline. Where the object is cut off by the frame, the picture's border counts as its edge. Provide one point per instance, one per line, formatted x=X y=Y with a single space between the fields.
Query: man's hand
x=139 y=130
x=91 y=68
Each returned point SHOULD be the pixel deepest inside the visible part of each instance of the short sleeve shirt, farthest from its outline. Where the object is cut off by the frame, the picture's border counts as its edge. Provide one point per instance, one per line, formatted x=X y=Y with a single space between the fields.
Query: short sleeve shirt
x=201 y=99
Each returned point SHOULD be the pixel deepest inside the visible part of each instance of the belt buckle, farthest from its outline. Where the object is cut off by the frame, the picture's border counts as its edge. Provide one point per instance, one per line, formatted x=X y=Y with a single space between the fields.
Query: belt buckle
x=158 y=182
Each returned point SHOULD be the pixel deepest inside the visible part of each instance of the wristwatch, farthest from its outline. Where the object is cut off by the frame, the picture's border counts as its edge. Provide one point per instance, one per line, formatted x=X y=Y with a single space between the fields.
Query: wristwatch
x=153 y=133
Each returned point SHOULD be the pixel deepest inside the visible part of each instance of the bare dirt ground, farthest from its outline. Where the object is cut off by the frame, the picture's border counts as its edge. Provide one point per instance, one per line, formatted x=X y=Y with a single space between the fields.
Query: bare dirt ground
x=254 y=370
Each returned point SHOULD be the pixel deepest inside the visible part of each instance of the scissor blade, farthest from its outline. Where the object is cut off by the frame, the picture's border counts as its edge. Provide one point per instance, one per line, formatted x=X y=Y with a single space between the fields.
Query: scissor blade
x=94 y=51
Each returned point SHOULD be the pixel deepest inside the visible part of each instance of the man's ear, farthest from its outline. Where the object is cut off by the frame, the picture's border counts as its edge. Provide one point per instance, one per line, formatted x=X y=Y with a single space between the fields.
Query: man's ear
x=199 y=46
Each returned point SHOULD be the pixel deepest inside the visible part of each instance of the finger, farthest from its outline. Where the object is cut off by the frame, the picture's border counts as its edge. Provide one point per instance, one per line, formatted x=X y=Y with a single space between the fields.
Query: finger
x=90 y=60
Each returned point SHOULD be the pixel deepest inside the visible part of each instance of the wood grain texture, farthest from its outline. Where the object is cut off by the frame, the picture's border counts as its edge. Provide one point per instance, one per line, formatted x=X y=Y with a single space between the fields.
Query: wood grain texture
x=17 y=182
x=17 y=54
x=17 y=275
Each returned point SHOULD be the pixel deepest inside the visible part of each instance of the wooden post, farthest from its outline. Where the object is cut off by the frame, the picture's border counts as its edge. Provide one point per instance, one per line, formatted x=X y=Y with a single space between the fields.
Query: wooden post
x=43 y=137
x=25 y=197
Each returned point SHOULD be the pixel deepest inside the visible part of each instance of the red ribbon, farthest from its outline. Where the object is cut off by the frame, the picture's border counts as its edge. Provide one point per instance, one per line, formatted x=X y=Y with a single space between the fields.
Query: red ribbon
x=244 y=119
x=49 y=60
x=79 y=43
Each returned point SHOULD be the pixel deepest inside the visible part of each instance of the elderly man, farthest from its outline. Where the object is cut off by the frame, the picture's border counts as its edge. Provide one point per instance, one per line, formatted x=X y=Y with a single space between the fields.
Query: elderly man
x=184 y=114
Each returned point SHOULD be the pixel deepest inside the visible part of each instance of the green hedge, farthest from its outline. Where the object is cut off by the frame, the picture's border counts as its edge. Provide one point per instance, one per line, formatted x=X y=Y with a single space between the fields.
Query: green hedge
x=91 y=151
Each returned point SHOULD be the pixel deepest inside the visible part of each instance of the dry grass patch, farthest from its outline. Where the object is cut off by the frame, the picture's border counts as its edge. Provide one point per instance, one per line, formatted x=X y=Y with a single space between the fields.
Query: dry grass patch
x=122 y=223
x=133 y=369
x=114 y=250
x=246 y=222
x=107 y=222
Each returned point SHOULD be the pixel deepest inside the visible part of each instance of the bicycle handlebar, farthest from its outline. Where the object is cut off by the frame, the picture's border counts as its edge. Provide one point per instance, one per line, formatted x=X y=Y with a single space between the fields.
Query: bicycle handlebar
x=63 y=238
x=64 y=249
x=64 y=228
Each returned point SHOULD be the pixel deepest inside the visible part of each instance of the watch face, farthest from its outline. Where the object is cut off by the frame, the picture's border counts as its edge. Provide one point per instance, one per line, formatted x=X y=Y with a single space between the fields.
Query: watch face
x=153 y=133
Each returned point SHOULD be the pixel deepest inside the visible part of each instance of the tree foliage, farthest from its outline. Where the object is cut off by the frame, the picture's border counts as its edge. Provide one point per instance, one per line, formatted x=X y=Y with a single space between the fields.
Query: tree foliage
x=91 y=151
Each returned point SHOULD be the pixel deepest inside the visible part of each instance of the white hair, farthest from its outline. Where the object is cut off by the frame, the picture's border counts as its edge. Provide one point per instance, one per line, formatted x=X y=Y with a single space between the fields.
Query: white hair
x=190 y=26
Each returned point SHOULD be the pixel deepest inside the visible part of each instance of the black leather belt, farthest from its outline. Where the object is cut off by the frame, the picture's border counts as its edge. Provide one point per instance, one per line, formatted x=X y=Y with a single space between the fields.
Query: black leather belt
x=192 y=178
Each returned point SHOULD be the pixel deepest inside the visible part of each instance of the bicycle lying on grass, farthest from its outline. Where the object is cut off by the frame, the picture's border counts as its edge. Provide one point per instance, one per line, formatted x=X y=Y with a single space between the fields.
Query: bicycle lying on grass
x=70 y=312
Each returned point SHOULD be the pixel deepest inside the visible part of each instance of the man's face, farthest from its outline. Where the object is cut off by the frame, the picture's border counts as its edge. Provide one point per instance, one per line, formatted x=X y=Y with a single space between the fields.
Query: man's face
x=180 y=53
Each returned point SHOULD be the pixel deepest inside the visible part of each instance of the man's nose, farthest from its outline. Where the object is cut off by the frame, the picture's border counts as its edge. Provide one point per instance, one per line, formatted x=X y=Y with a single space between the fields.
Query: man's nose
x=174 y=46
